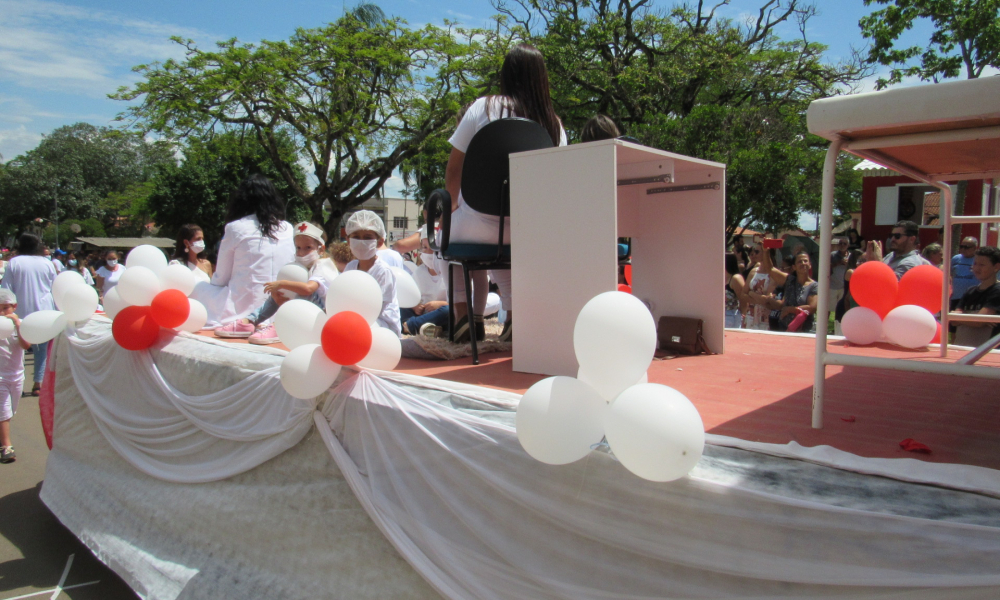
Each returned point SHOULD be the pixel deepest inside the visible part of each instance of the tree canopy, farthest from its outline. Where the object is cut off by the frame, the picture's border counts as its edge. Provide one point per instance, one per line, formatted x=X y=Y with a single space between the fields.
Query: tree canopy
x=355 y=98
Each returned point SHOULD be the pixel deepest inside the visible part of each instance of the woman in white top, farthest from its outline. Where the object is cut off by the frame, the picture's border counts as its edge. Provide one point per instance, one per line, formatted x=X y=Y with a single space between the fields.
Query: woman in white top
x=109 y=274
x=257 y=242
x=524 y=92
x=30 y=275
x=189 y=251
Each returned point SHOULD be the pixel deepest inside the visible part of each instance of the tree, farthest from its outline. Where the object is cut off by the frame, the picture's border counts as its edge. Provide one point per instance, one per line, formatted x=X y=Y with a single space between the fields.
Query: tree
x=356 y=98
x=697 y=84
x=76 y=167
x=965 y=41
x=198 y=189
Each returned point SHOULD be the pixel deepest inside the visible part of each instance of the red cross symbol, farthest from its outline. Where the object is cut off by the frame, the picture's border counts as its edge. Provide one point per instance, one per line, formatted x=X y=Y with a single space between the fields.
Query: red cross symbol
x=303 y=227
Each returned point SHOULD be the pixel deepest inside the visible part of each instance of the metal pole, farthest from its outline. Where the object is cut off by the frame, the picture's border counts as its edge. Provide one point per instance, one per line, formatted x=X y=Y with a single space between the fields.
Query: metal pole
x=947 y=208
x=823 y=302
x=55 y=211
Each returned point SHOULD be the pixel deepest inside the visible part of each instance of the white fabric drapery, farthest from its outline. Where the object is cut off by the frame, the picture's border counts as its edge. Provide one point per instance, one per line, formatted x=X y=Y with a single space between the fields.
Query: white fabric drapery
x=176 y=437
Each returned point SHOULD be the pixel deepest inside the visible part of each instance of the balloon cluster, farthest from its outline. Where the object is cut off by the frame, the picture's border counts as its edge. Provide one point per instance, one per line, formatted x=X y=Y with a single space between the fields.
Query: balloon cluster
x=653 y=430
x=150 y=295
x=75 y=300
x=901 y=312
x=346 y=334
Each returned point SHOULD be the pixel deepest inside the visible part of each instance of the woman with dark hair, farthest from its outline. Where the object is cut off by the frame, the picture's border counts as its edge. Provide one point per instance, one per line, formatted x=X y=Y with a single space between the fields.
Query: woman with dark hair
x=800 y=295
x=760 y=286
x=599 y=127
x=189 y=251
x=257 y=242
x=735 y=300
x=30 y=275
x=109 y=274
x=524 y=92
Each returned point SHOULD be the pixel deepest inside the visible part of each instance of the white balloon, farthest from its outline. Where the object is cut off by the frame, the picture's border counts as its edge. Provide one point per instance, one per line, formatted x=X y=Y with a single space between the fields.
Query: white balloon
x=607 y=391
x=63 y=282
x=861 y=326
x=614 y=339
x=411 y=266
x=113 y=303
x=299 y=323
x=43 y=325
x=178 y=277
x=306 y=372
x=355 y=291
x=559 y=419
x=197 y=317
x=385 y=352
x=293 y=272
x=493 y=304
x=407 y=292
x=655 y=432
x=147 y=256
x=6 y=328
x=910 y=326
x=80 y=302
x=138 y=286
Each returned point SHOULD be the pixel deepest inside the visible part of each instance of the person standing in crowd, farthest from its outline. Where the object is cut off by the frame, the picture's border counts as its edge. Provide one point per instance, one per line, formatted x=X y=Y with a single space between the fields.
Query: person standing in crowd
x=189 y=251
x=109 y=274
x=982 y=299
x=11 y=373
x=256 y=244
x=854 y=240
x=74 y=264
x=800 y=294
x=735 y=301
x=903 y=243
x=933 y=254
x=838 y=266
x=524 y=92
x=846 y=303
x=760 y=287
x=29 y=276
x=961 y=270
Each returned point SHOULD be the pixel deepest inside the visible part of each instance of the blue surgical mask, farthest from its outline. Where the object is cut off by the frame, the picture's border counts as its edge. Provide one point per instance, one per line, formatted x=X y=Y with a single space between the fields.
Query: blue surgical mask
x=72 y=262
x=112 y=264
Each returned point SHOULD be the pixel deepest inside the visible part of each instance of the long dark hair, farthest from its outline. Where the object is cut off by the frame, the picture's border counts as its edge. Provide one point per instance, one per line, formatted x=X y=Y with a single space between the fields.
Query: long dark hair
x=732 y=265
x=184 y=234
x=29 y=244
x=524 y=81
x=258 y=196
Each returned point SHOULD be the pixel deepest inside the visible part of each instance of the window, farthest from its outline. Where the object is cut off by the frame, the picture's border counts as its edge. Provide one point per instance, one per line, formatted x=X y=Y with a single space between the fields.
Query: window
x=400 y=222
x=907 y=202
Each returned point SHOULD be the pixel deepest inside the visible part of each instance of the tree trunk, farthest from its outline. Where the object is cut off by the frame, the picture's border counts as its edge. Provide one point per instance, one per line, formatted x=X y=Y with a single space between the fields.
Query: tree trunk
x=959 y=209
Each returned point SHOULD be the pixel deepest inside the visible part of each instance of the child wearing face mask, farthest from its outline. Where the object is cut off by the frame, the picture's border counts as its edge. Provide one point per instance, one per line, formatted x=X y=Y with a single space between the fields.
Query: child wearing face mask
x=365 y=233
x=309 y=252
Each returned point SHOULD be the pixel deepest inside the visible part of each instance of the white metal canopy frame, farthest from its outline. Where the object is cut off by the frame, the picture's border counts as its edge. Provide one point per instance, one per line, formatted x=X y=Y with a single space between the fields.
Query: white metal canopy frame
x=931 y=133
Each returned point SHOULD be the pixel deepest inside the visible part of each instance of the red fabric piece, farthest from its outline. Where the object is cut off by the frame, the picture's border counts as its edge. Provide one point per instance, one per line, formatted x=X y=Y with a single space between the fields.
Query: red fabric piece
x=47 y=397
x=911 y=445
x=849 y=419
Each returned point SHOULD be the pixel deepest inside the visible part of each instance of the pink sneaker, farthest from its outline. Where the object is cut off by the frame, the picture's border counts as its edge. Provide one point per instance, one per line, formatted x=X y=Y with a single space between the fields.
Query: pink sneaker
x=265 y=335
x=235 y=329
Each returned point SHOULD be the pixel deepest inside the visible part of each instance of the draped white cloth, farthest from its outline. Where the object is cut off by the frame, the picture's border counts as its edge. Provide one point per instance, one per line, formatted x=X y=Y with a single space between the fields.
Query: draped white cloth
x=177 y=437
x=438 y=469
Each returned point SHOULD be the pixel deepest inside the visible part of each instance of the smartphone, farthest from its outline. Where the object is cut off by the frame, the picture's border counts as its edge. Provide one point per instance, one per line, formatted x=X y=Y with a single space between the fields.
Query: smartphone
x=768 y=244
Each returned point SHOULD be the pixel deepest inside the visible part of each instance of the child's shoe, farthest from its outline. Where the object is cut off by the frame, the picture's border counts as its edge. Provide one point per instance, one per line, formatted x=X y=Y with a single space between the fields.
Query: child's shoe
x=265 y=335
x=7 y=455
x=236 y=329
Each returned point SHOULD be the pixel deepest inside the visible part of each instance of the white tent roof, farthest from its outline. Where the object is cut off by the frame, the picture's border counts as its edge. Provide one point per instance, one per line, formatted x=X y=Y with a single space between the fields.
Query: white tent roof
x=947 y=131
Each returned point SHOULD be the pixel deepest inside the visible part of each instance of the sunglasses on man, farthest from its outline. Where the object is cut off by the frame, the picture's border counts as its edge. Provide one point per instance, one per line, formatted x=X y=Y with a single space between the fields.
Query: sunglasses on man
x=966 y=246
x=896 y=236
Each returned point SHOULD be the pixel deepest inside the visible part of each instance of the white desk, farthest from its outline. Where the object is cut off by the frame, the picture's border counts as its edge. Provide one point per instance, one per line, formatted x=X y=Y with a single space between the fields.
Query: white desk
x=567 y=213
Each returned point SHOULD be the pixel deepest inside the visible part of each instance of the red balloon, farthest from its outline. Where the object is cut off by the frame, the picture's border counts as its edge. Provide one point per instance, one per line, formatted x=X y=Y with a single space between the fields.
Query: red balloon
x=346 y=338
x=920 y=286
x=170 y=308
x=134 y=328
x=628 y=274
x=624 y=288
x=874 y=286
x=937 y=336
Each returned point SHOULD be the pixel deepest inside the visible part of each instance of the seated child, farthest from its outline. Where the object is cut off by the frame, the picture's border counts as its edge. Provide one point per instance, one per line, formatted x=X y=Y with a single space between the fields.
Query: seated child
x=365 y=231
x=11 y=373
x=309 y=253
x=430 y=317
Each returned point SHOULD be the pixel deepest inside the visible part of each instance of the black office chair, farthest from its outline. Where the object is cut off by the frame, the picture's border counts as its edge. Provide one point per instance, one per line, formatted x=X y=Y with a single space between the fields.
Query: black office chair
x=486 y=189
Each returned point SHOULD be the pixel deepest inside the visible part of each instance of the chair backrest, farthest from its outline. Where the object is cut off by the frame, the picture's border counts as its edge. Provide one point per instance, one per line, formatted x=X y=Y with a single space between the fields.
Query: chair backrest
x=486 y=171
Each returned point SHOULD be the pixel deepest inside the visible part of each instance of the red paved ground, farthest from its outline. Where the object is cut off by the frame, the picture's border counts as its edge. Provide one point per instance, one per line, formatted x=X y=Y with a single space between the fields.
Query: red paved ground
x=761 y=390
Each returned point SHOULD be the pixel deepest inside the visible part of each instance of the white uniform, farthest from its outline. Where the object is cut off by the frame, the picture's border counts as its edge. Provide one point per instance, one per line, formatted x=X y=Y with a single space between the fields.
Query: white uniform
x=432 y=287
x=110 y=277
x=391 y=257
x=11 y=375
x=247 y=260
x=468 y=225
x=389 y=317
x=30 y=278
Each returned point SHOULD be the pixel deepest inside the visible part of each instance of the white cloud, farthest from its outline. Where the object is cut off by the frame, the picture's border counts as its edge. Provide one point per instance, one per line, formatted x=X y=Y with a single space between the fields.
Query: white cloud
x=17 y=141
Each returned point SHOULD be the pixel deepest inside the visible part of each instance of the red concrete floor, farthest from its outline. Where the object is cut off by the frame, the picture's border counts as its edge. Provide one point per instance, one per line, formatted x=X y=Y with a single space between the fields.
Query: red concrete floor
x=761 y=390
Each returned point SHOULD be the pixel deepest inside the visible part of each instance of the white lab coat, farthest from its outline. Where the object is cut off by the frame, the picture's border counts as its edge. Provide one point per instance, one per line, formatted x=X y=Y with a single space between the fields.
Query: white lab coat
x=247 y=260
x=30 y=278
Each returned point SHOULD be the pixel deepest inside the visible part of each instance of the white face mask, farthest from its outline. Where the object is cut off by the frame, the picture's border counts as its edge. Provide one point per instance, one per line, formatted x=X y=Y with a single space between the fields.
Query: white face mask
x=431 y=260
x=307 y=260
x=197 y=247
x=112 y=264
x=364 y=249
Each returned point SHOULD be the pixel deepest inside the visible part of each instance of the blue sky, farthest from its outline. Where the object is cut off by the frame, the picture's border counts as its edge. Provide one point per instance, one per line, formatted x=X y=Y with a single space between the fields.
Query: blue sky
x=60 y=59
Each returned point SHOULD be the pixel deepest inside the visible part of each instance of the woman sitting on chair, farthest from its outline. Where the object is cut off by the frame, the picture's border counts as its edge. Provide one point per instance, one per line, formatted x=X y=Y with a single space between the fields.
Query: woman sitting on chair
x=524 y=92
